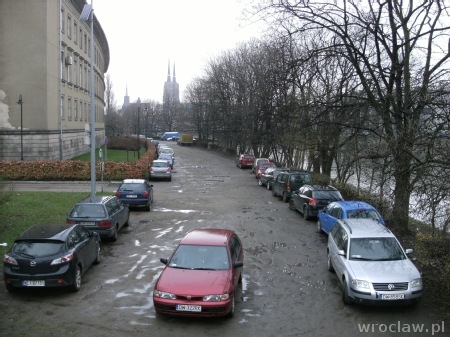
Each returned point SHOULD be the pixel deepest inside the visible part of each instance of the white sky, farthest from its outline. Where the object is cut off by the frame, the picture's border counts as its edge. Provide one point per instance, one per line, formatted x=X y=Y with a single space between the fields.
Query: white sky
x=143 y=35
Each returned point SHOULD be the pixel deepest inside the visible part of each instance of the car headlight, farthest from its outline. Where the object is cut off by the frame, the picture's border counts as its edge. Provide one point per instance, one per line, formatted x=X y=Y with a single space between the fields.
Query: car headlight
x=416 y=283
x=216 y=298
x=163 y=294
x=360 y=284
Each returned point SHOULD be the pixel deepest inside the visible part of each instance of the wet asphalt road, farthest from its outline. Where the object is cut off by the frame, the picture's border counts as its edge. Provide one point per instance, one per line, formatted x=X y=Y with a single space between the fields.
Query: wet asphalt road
x=287 y=290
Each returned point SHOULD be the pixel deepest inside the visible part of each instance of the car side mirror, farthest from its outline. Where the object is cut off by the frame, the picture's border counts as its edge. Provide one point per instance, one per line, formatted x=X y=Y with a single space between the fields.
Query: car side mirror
x=238 y=264
x=163 y=260
x=341 y=252
x=408 y=251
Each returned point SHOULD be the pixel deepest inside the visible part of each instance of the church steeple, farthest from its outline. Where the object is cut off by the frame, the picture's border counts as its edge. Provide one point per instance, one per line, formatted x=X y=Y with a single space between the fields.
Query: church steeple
x=174 y=76
x=168 y=71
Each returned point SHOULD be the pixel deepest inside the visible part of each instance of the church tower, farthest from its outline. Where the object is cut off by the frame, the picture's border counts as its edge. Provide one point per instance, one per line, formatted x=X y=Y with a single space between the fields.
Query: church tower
x=171 y=95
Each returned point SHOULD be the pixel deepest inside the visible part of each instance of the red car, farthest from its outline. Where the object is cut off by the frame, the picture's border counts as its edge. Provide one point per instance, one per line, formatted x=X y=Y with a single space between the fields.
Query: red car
x=262 y=167
x=245 y=160
x=202 y=275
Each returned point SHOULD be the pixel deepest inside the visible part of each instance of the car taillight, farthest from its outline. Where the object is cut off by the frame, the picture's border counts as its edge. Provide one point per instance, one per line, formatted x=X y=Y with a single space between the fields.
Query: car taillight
x=71 y=222
x=169 y=170
x=10 y=260
x=104 y=224
x=118 y=194
x=288 y=187
x=151 y=169
x=145 y=194
x=312 y=202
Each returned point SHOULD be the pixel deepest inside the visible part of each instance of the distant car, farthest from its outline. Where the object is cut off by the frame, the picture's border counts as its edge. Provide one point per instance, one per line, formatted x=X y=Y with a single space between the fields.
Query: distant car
x=136 y=193
x=256 y=163
x=262 y=167
x=105 y=215
x=160 y=169
x=288 y=182
x=54 y=255
x=202 y=275
x=340 y=210
x=167 y=150
x=371 y=265
x=245 y=160
x=269 y=176
x=309 y=199
x=167 y=157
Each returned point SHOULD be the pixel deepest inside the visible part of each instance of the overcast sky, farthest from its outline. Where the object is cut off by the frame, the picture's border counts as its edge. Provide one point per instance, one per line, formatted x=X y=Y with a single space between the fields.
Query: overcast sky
x=143 y=35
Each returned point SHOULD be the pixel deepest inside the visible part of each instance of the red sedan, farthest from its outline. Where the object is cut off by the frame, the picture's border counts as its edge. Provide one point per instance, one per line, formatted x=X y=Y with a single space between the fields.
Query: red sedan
x=201 y=276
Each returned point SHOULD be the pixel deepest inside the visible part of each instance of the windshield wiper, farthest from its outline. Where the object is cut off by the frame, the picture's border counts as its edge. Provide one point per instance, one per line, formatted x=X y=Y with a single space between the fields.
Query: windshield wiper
x=25 y=255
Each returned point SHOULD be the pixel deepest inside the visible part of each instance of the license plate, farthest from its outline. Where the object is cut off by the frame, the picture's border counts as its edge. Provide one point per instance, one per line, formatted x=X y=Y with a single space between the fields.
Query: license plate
x=34 y=283
x=84 y=223
x=132 y=196
x=392 y=296
x=193 y=308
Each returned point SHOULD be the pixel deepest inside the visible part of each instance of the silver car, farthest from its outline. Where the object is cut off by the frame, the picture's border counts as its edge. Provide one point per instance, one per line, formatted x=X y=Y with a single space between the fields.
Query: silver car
x=371 y=264
x=160 y=169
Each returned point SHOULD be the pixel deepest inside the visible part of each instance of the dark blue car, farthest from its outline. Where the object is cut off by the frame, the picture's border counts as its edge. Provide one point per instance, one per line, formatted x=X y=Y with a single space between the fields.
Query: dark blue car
x=346 y=210
x=136 y=193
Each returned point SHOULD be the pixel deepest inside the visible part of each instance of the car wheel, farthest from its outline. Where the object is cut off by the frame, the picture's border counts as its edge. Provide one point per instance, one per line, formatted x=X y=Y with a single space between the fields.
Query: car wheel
x=305 y=213
x=10 y=288
x=329 y=264
x=274 y=193
x=98 y=256
x=149 y=207
x=260 y=182
x=345 y=298
x=231 y=313
x=76 y=285
x=116 y=233
x=268 y=185
x=127 y=223
x=285 y=197
x=291 y=205
x=319 y=227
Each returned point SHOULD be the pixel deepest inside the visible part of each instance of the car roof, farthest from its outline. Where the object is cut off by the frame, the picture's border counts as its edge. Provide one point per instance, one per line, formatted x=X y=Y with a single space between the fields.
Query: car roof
x=354 y=204
x=46 y=231
x=98 y=199
x=133 y=181
x=320 y=187
x=366 y=228
x=207 y=236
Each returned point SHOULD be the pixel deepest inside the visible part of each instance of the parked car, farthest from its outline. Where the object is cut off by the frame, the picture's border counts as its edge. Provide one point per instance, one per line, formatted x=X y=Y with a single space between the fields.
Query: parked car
x=340 y=210
x=53 y=255
x=167 y=157
x=287 y=182
x=160 y=169
x=202 y=275
x=136 y=193
x=262 y=167
x=245 y=160
x=309 y=199
x=269 y=176
x=167 y=150
x=105 y=215
x=371 y=264
x=257 y=162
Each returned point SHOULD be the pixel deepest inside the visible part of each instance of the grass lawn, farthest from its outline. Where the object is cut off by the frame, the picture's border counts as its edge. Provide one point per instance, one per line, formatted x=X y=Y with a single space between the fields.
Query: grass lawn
x=24 y=209
x=113 y=155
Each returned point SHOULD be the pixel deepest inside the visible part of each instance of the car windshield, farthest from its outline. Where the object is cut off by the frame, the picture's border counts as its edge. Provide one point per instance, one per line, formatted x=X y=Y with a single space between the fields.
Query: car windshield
x=88 y=211
x=364 y=214
x=132 y=187
x=34 y=249
x=375 y=249
x=200 y=257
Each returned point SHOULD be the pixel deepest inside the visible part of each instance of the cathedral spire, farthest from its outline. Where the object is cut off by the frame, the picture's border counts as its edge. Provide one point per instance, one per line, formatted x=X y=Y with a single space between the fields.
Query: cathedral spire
x=168 y=71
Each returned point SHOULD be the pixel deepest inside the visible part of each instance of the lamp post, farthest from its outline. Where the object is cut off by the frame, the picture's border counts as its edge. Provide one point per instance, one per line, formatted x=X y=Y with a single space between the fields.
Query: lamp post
x=138 y=135
x=88 y=15
x=20 y=101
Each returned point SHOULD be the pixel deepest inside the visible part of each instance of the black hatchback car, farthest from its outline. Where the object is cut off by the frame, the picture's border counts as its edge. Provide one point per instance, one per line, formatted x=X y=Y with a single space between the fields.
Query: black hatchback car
x=310 y=199
x=54 y=255
x=105 y=215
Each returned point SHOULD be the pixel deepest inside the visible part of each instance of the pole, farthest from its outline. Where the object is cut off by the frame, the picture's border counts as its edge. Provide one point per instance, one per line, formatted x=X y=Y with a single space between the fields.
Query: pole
x=93 y=177
x=20 y=101
x=138 y=135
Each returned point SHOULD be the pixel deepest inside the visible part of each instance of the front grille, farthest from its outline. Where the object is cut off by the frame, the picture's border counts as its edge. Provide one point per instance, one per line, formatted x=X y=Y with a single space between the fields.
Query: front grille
x=390 y=286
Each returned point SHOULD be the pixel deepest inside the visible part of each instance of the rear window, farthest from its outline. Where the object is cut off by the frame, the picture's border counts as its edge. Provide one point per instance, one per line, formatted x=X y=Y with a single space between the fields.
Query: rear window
x=88 y=211
x=132 y=187
x=249 y=157
x=33 y=249
x=364 y=214
x=160 y=164
x=329 y=195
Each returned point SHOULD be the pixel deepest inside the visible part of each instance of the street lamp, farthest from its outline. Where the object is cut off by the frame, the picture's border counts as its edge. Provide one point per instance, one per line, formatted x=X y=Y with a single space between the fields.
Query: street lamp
x=138 y=135
x=21 y=126
x=88 y=15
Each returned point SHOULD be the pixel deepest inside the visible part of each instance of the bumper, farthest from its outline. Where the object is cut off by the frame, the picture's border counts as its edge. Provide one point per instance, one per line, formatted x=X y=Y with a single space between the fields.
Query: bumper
x=160 y=176
x=136 y=202
x=209 y=309
x=375 y=299
x=64 y=277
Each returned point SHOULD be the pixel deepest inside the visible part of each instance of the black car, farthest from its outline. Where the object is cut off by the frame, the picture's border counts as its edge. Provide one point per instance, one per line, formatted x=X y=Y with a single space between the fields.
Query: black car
x=105 y=215
x=310 y=199
x=288 y=182
x=53 y=255
x=136 y=193
x=269 y=176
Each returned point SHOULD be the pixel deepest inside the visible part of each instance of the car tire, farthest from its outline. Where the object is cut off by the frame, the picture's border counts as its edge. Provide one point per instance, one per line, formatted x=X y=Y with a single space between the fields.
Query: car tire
x=10 y=288
x=127 y=223
x=260 y=182
x=274 y=194
x=268 y=185
x=170 y=179
x=98 y=256
x=231 y=313
x=285 y=197
x=148 y=208
x=291 y=205
x=305 y=213
x=319 y=227
x=116 y=233
x=345 y=298
x=329 y=264
x=76 y=285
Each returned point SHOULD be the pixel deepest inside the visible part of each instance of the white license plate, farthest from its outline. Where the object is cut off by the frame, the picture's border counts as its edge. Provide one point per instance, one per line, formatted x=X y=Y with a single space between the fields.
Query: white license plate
x=84 y=223
x=33 y=283
x=132 y=196
x=392 y=296
x=193 y=308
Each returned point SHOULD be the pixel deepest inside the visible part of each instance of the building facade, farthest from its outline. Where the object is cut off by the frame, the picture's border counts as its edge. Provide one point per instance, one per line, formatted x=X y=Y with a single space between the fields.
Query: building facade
x=45 y=60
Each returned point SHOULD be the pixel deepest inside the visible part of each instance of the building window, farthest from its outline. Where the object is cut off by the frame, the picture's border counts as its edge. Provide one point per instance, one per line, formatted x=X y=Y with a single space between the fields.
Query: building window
x=85 y=111
x=75 y=109
x=61 y=70
x=81 y=74
x=75 y=71
x=81 y=111
x=75 y=35
x=69 y=60
x=69 y=27
x=63 y=114
x=69 y=108
x=81 y=38
x=85 y=43
x=62 y=23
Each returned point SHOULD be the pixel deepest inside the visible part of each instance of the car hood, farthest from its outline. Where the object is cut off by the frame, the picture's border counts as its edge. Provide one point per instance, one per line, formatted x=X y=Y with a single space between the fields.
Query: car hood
x=384 y=271
x=194 y=282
